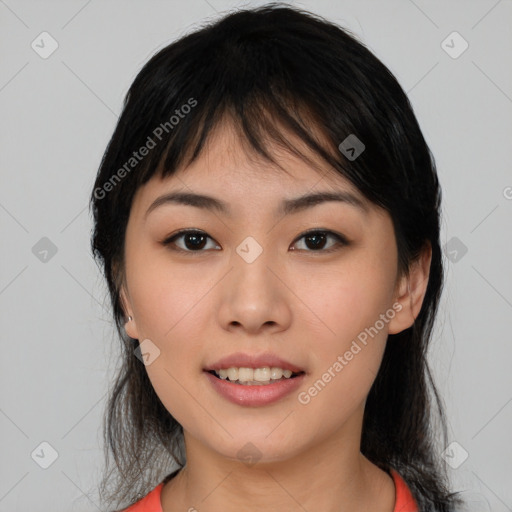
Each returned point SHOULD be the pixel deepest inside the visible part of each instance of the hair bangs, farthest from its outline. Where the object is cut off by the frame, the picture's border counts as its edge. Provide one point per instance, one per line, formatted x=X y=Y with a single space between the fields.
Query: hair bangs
x=264 y=122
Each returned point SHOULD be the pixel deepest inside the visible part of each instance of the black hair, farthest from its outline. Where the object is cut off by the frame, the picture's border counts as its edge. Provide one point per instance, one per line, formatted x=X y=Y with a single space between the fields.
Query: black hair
x=275 y=71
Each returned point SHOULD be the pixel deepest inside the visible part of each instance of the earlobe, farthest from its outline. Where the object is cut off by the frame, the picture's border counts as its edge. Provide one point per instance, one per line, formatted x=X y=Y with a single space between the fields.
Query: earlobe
x=130 y=326
x=411 y=291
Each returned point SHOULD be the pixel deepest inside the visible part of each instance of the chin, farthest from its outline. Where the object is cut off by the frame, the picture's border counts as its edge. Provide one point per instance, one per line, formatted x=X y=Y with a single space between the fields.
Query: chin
x=257 y=449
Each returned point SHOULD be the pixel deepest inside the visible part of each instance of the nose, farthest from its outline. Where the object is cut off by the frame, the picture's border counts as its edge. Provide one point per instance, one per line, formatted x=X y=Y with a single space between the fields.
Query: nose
x=254 y=297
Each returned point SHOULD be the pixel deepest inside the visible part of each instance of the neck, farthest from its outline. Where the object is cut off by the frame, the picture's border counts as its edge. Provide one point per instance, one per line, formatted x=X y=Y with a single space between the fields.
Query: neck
x=329 y=477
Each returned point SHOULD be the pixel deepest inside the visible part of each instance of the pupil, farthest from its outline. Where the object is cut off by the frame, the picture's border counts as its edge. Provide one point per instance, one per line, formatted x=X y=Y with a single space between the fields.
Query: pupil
x=316 y=245
x=196 y=237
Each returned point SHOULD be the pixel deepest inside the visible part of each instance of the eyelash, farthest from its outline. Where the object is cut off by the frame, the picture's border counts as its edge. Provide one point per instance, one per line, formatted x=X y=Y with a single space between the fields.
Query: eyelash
x=341 y=240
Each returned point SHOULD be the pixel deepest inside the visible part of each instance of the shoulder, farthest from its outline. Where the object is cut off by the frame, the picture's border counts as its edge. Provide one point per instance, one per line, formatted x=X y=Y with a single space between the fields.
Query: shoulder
x=150 y=502
x=404 y=500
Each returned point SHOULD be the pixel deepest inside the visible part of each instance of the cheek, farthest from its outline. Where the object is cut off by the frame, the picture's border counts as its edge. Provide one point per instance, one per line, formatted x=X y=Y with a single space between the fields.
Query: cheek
x=171 y=383
x=171 y=319
x=344 y=302
x=165 y=296
x=349 y=343
x=168 y=306
x=351 y=338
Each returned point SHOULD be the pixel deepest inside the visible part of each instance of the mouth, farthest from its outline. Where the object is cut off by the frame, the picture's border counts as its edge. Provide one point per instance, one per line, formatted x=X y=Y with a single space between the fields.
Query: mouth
x=263 y=376
x=254 y=380
x=257 y=386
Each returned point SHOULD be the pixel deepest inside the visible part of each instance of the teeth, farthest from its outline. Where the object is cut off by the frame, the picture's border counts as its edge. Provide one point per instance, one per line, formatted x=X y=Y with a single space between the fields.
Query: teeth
x=260 y=374
x=245 y=374
x=232 y=373
x=253 y=376
x=276 y=373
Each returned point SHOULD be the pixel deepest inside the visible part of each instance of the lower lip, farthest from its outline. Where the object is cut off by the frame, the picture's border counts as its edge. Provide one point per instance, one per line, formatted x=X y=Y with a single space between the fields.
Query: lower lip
x=254 y=396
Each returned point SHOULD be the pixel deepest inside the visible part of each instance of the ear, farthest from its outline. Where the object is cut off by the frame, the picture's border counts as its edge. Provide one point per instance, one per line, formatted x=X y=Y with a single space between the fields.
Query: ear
x=410 y=292
x=130 y=326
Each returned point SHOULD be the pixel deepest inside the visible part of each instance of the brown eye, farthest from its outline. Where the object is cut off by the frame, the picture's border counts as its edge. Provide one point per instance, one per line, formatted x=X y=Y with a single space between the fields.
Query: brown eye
x=315 y=241
x=192 y=241
x=196 y=241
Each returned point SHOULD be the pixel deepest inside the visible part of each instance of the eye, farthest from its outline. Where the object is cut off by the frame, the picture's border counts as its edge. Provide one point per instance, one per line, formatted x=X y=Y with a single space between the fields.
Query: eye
x=195 y=241
x=316 y=239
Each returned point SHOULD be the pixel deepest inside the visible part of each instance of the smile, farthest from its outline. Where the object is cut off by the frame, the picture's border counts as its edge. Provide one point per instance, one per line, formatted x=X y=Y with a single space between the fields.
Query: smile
x=254 y=376
x=253 y=393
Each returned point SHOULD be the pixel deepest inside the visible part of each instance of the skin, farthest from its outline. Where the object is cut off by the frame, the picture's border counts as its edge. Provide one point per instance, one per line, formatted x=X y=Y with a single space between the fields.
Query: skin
x=305 y=305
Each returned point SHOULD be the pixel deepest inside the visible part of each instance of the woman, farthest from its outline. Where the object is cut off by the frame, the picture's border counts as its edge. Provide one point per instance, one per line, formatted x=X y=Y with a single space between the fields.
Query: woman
x=267 y=217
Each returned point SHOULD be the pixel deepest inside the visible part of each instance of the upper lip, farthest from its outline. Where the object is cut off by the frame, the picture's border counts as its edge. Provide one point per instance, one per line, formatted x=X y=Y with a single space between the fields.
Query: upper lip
x=242 y=360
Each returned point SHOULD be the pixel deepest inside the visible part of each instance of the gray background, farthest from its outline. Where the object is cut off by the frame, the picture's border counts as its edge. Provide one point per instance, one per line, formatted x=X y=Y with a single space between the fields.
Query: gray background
x=57 y=116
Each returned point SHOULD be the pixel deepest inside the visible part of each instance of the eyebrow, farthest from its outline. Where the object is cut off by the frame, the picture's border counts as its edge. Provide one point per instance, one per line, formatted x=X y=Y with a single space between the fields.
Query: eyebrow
x=287 y=206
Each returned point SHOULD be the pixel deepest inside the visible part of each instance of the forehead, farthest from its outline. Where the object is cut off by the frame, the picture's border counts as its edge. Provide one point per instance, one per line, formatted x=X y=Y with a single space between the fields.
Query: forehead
x=229 y=166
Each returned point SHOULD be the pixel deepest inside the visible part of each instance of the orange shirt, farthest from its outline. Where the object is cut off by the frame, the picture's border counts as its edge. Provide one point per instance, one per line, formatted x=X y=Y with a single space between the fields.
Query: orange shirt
x=404 y=501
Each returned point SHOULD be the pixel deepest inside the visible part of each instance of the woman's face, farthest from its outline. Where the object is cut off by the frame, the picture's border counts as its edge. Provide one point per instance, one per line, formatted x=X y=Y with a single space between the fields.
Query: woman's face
x=253 y=286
